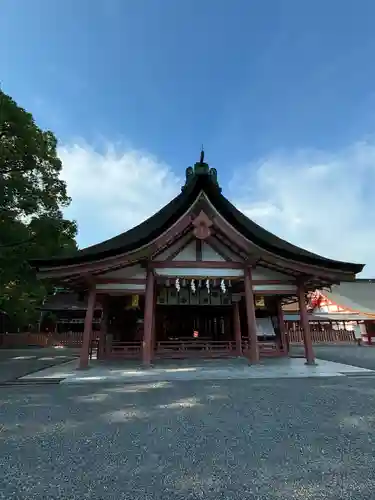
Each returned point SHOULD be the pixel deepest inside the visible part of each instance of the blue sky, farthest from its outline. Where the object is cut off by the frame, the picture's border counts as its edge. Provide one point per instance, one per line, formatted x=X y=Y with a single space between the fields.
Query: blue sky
x=281 y=94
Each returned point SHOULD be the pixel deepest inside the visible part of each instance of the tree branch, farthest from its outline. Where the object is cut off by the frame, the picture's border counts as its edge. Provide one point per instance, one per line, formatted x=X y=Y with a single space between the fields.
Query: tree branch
x=19 y=243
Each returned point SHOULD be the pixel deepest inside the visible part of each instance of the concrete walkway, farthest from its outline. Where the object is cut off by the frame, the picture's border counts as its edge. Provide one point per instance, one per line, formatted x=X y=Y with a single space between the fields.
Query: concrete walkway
x=16 y=363
x=128 y=371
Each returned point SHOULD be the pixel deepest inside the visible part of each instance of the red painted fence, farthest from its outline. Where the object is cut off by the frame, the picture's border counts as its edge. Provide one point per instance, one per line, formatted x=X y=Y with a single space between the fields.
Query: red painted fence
x=14 y=340
x=321 y=337
x=132 y=349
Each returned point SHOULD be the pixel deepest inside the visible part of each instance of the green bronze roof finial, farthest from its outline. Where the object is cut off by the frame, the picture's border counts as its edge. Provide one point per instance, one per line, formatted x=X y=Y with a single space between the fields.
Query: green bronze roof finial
x=201 y=160
x=200 y=168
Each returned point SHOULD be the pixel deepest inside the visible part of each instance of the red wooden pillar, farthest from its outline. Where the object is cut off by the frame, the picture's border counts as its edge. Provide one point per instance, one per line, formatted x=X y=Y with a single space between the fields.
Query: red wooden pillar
x=153 y=343
x=149 y=318
x=251 y=320
x=103 y=328
x=237 y=328
x=84 y=355
x=304 y=323
x=283 y=333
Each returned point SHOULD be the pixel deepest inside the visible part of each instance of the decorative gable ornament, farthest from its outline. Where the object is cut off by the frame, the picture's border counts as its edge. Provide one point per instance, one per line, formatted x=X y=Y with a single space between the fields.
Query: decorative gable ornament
x=202 y=226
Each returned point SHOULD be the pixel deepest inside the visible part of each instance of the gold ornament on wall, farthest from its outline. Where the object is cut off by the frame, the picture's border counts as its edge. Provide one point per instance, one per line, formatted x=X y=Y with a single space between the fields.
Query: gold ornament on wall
x=259 y=301
x=135 y=301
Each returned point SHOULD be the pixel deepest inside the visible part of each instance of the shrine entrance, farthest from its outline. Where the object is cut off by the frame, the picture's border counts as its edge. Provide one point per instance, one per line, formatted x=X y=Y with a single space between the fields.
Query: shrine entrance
x=184 y=331
x=212 y=323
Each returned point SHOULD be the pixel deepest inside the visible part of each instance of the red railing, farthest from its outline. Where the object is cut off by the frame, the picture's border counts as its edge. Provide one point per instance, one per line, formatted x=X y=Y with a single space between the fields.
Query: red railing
x=195 y=348
x=69 y=339
x=129 y=350
x=173 y=348
x=266 y=349
x=329 y=336
x=43 y=339
x=24 y=339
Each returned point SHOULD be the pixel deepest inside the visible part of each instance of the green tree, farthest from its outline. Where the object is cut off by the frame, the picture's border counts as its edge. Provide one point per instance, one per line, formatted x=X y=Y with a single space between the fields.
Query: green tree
x=32 y=197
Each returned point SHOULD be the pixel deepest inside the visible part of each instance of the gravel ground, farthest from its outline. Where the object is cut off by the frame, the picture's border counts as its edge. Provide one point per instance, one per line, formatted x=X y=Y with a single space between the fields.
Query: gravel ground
x=253 y=439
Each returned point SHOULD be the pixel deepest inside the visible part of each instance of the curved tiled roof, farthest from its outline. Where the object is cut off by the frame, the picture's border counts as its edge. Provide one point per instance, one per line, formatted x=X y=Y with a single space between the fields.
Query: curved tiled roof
x=170 y=213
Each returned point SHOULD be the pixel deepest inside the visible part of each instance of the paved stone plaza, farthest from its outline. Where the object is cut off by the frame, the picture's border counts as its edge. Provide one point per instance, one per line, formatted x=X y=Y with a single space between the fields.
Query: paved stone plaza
x=235 y=439
x=209 y=369
x=362 y=356
x=15 y=363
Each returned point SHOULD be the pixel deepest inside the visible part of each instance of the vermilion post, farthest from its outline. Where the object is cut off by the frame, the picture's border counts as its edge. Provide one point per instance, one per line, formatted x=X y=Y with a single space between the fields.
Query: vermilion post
x=237 y=328
x=103 y=328
x=153 y=341
x=280 y=316
x=149 y=318
x=304 y=323
x=84 y=355
x=251 y=319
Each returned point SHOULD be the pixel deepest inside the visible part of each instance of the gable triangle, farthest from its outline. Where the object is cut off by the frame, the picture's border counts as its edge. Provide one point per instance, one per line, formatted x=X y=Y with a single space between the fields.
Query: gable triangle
x=188 y=253
x=209 y=254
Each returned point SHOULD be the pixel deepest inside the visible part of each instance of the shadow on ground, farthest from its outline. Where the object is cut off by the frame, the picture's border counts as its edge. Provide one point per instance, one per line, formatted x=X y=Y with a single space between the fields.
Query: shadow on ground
x=273 y=439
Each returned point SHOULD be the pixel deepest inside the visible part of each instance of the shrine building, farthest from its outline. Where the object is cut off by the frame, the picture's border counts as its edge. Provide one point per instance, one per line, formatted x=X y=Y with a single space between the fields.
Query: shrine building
x=198 y=278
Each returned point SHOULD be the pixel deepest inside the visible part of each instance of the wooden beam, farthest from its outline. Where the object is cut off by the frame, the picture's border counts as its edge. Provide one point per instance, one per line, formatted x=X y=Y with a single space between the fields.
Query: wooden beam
x=196 y=265
x=126 y=291
x=127 y=281
x=198 y=250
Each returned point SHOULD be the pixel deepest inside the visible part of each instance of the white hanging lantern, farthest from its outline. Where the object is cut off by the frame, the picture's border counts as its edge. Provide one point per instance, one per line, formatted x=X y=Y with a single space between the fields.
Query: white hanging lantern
x=177 y=284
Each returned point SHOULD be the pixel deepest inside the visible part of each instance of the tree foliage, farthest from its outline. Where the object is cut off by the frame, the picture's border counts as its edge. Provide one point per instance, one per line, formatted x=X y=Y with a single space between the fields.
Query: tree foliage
x=32 y=197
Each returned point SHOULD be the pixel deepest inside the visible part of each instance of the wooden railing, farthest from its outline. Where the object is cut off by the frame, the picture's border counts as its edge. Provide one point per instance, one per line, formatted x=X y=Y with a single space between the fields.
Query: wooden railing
x=43 y=339
x=24 y=339
x=266 y=349
x=69 y=339
x=195 y=348
x=329 y=336
x=128 y=350
x=173 y=348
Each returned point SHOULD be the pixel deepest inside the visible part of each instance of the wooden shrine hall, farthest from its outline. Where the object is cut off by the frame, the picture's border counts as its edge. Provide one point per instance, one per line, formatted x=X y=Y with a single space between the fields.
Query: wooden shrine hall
x=198 y=278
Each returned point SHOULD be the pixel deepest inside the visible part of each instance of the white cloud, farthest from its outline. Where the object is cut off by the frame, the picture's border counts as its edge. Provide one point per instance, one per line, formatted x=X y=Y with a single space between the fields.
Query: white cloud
x=322 y=202
x=114 y=190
